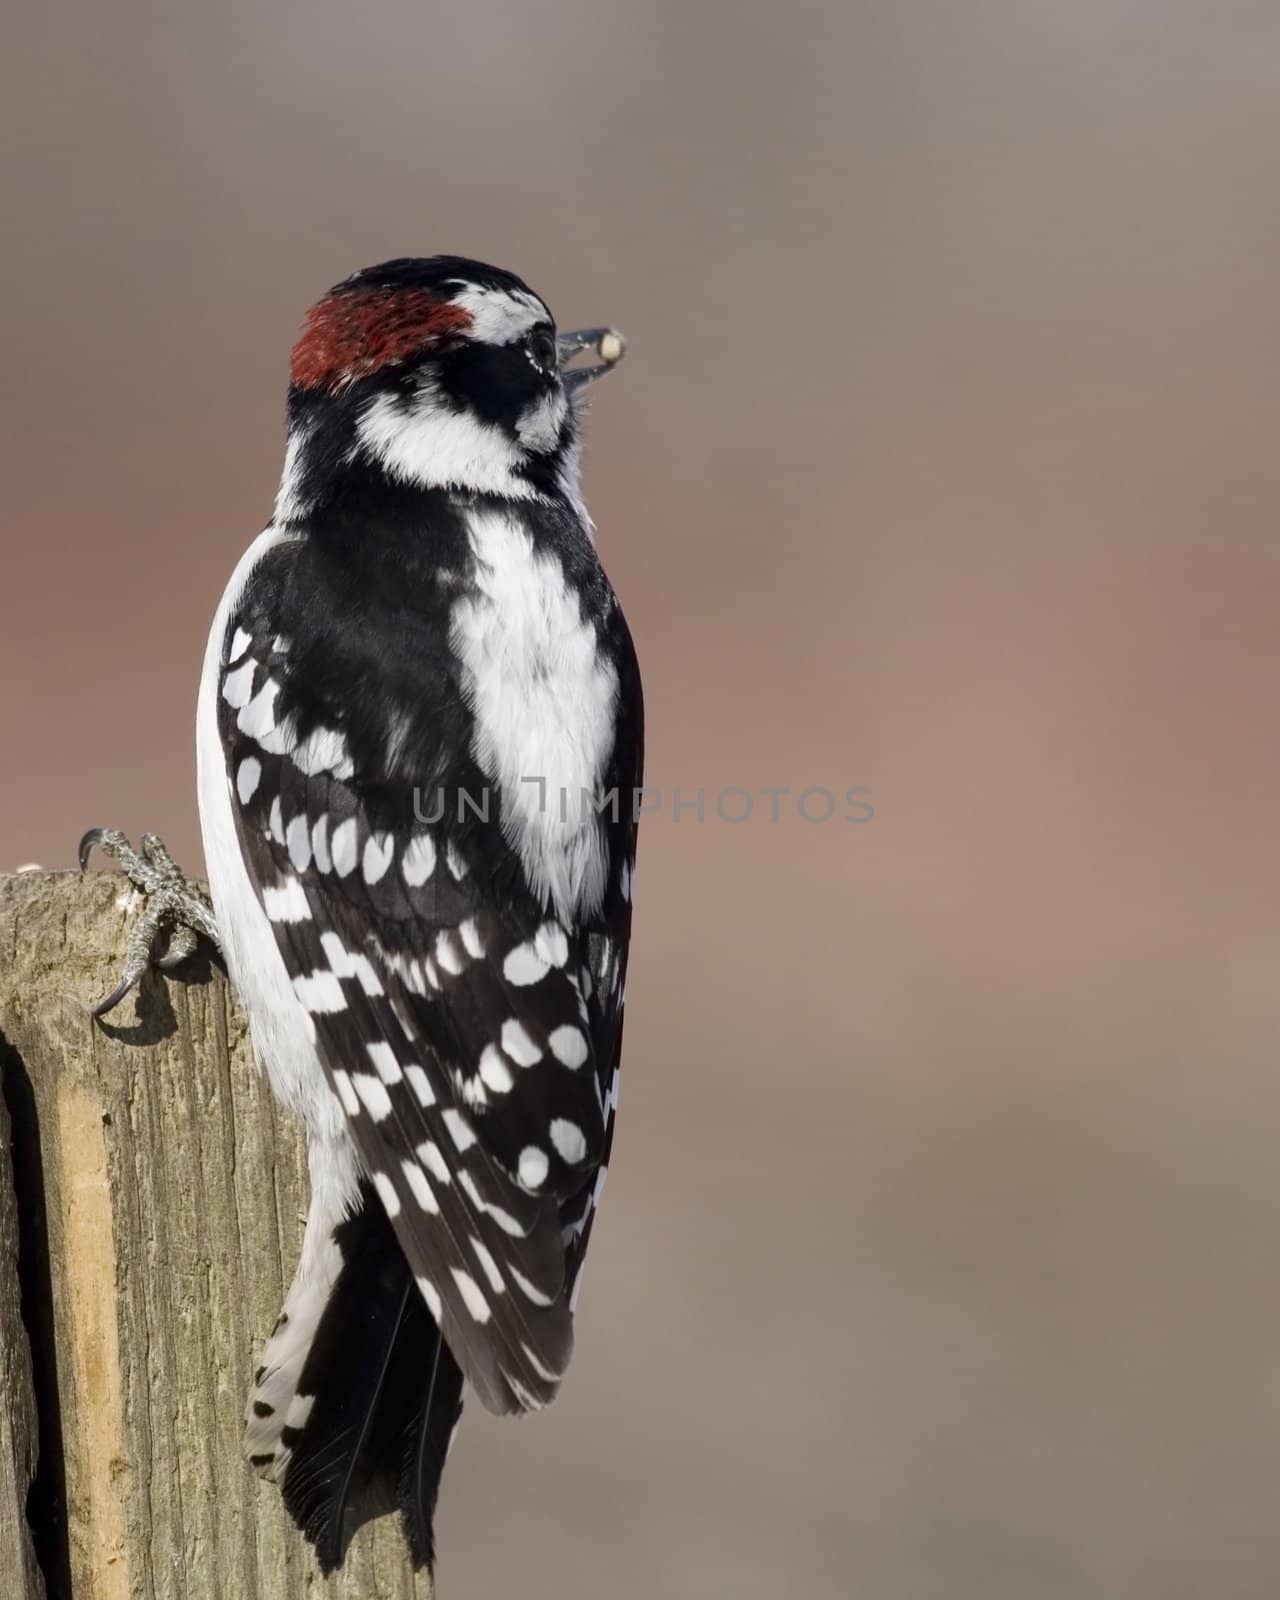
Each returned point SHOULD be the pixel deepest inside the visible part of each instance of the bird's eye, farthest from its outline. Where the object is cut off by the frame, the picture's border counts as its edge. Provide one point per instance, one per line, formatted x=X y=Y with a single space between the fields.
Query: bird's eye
x=541 y=349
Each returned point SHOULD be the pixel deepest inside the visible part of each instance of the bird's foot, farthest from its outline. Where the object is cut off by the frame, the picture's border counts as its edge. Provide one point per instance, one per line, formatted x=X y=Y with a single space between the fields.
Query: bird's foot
x=176 y=915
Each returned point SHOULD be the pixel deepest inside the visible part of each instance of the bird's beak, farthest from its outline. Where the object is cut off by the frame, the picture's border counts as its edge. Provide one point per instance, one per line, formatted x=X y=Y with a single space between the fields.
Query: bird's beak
x=606 y=343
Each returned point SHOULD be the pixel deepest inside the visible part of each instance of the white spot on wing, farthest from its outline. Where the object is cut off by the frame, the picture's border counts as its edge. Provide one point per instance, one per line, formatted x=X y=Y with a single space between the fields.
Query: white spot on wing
x=258 y=718
x=523 y=966
x=506 y=1222
x=431 y=1295
x=342 y=847
x=288 y=903
x=544 y=1372
x=568 y=1139
x=418 y=861
x=378 y=851
x=419 y=1187
x=447 y=953
x=298 y=838
x=459 y=1130
x=532 y=1167
x=384 y=1061
x=421 y=1085
x=472 y=1295
x=374 y=1094
x=494 y=1070
x=323 y=750
x=347 y=965
x=530 y=1290
x=237 y=686
x=518 y=1045
x=468 y=1184
x=569 y=1045
x=320 y=843
x=551 y=945
x=429 y=1154
x=247 y=777
x=386 y=1193
x=488 y=1265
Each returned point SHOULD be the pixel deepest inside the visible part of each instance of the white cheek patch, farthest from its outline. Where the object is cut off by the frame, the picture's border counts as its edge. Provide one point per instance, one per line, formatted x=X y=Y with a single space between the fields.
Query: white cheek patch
x=500 y=316
x=539 y=424
x=434 y=446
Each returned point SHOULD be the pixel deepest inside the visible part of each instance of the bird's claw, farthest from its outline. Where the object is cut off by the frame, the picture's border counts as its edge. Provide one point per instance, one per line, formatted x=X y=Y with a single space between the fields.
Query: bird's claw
x=175 y=913
x=109 y=839
x=182 y=946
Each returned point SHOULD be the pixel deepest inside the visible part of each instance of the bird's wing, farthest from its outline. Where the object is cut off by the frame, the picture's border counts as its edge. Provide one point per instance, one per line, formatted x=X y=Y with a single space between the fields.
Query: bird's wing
x=450 y=1017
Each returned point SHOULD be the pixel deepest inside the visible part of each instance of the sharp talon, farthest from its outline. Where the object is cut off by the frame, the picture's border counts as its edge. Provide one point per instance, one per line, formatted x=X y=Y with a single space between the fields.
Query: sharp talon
x=182 y=946
x=110 y=841
x=111 y=1001
x=91 y=839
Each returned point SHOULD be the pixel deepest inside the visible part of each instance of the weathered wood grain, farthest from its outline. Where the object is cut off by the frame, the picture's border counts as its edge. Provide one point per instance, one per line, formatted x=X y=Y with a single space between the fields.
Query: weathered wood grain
x=175 y=1195
x=19 y=1573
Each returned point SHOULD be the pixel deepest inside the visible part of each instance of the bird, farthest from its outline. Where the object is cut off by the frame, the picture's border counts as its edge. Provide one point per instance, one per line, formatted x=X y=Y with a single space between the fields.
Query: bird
x=419 y=752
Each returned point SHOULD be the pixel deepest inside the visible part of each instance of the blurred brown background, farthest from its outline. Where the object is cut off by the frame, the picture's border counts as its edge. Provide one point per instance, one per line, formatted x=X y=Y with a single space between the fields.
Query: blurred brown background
x=942 y=1252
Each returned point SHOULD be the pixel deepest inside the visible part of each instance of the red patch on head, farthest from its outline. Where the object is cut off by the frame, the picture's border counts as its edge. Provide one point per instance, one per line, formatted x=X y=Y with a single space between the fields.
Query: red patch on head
x=355 y=332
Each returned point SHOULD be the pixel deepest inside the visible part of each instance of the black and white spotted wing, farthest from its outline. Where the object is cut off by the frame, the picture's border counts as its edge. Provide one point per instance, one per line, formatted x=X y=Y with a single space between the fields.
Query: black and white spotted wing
x=470 y=1036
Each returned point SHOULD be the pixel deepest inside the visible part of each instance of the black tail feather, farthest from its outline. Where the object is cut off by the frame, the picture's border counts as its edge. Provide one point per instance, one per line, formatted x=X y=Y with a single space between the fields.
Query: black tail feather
x=424 y=1444
x=387 y=1395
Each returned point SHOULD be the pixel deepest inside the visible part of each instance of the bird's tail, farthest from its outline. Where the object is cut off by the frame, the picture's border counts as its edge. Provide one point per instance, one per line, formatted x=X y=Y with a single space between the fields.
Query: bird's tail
x=358 y=1395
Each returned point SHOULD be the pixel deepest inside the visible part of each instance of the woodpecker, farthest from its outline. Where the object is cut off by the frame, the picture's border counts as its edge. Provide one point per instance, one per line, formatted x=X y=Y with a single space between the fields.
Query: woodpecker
x=419 y=736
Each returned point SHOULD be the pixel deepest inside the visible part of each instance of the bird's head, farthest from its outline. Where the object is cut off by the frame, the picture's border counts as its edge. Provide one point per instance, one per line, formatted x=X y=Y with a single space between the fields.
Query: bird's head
x=440 y=373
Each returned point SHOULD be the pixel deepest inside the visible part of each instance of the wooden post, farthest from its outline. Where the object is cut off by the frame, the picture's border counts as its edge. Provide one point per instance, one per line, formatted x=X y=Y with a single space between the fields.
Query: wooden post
x=173 y=1200
x=18 y=1427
